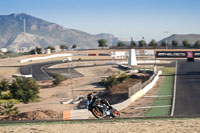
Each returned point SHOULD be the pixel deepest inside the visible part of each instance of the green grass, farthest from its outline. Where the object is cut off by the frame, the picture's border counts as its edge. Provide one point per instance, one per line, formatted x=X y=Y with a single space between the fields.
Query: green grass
x=168 y=70
x=165 y=89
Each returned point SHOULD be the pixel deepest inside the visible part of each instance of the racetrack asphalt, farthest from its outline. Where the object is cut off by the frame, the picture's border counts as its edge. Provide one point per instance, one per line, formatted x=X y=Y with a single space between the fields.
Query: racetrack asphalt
x=40 y=71
x=187 y=101
x=37 y=70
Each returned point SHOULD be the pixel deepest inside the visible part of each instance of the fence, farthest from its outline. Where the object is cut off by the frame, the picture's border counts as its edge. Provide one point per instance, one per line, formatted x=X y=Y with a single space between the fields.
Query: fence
x=84 y=113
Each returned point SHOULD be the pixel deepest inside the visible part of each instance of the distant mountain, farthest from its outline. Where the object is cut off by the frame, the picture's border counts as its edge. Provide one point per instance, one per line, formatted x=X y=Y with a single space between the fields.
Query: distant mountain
x=41 y=33
x=192 y=38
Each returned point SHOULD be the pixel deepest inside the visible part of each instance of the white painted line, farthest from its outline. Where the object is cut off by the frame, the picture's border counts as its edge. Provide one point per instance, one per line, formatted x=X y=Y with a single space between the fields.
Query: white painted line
x=66 y=74
x=149 y=107
x=44 y=71
x=174 y=95
x=158 y=96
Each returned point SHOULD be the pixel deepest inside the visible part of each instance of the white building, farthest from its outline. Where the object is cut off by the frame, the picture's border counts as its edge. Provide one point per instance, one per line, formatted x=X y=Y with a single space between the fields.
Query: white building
x=4 y=50
x=120 y=55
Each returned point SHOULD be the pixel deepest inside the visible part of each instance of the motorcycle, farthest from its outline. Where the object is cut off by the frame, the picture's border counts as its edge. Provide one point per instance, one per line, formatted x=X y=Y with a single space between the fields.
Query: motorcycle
x=101 y=110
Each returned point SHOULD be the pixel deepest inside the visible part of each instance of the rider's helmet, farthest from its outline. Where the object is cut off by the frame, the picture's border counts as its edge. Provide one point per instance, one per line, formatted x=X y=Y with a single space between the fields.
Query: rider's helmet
x=90 y=96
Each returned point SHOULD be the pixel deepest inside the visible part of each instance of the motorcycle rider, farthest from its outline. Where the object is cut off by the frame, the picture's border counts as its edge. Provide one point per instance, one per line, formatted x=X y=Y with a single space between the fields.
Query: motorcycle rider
x=91 y=99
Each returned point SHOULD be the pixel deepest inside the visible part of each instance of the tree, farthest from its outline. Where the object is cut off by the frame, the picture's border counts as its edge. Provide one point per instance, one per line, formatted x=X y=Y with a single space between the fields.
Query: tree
x=197 y=43
x=133 y=43
x=50 y=47
x=142 y=43
x=185 y=43
x=32 y=51
x=63 y=47
x=164 y=44
x=174 y=43
x=4 y=85
x=38 y=50
x=102 y=43
x=24 y=89
x=120 y=44
x=153 y=43
x=8 y=110
x=74 y=46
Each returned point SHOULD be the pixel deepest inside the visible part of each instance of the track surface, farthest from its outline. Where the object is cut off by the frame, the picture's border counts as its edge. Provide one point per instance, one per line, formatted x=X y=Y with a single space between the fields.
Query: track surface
x=187 y=102
x=37 y=70
x=40 y=71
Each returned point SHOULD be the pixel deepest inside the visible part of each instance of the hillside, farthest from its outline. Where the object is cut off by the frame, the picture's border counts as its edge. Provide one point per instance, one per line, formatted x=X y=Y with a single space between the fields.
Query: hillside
x=42 y=33
x=192 y=38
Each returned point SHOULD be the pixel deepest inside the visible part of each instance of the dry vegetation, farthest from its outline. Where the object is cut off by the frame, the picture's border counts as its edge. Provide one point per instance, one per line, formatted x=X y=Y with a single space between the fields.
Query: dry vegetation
x=128 y=126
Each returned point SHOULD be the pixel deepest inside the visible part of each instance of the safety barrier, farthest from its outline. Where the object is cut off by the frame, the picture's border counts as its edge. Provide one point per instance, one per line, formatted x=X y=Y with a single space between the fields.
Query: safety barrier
x=85 y=114
x=44 y=57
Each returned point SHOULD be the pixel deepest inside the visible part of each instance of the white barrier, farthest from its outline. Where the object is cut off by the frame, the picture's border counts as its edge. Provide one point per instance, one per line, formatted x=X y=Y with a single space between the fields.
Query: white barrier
x=138 y=62
x=148 y=61
x=21 y=75
x=45 y=57
x=85 y=114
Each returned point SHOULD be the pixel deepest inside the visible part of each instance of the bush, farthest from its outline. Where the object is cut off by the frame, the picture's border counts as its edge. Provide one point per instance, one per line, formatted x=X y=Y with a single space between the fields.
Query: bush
x=123 y=77
x=9 y=100
x=111 y=81
x=4 y=85
x=24 y=89
x=8 y=110
x=58 y=78
x=6 y=95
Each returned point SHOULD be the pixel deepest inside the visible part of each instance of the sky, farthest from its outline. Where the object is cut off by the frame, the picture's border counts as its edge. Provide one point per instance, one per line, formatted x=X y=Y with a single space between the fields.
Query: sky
x=151 y=19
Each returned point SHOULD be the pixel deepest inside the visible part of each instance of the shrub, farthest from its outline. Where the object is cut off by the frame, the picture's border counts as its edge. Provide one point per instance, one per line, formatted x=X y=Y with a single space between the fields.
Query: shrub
x=24 y=89
x=6 y=95
x=4 y=85
x=111 y=81
x=122 y=77
x=58 y=78
x=8 y=110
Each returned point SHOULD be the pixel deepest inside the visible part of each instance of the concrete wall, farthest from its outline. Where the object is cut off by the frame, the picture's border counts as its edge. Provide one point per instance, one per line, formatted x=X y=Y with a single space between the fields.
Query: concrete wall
x=85 y=114
x=44 y=57
x=132 y=90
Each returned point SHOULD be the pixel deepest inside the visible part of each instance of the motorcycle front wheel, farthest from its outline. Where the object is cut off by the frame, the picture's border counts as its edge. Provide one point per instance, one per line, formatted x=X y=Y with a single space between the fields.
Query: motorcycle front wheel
x=97 y=112
x=115 y=113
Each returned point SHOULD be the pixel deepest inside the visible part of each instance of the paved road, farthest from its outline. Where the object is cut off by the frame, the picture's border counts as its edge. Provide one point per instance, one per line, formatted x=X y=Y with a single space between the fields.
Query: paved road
x=188 y=89
x=40 y=71
x=37 y=70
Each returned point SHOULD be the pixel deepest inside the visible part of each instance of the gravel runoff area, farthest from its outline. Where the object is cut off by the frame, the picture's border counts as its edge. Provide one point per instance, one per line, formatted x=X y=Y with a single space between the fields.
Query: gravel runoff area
x=119 y=126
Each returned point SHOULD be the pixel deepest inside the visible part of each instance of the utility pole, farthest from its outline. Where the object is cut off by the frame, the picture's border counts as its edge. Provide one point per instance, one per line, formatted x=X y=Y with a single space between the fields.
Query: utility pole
x=166 y=47
x=144 y=56
x=70 y=75
x=24 y=25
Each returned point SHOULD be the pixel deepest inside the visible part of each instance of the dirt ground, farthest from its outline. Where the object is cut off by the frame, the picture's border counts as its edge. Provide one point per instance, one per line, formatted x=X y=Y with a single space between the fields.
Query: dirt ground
x=51 y=98
x=130 y=126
